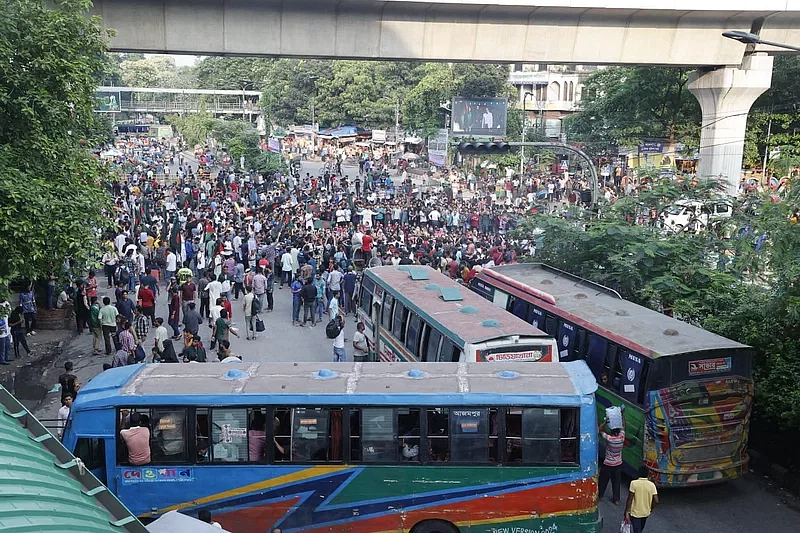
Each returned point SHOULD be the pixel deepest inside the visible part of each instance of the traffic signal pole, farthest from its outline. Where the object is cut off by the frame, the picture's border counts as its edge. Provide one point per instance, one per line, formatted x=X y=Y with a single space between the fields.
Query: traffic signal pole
x=580 y=153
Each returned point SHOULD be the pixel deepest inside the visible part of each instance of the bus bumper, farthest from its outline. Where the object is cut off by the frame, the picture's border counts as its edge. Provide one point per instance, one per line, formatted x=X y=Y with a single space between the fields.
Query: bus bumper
x=699 y=477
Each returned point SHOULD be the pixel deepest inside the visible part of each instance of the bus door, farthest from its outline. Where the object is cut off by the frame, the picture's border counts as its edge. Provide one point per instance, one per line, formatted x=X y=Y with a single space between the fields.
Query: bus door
x=92 y=451
x=377 y=305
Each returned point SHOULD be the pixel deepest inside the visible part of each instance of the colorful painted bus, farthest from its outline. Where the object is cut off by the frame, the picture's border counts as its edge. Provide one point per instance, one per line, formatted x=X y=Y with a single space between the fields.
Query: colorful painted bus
x=360 y=447
x=687 y=391
x=415 y=313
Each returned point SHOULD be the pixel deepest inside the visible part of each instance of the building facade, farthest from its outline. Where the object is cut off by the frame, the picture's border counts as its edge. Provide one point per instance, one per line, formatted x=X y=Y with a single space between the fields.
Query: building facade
x=549 y=93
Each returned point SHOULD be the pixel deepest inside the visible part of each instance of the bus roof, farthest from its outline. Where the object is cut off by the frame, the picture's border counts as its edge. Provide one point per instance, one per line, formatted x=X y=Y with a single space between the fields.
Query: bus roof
x=341 y=384
x=654 y=333
x=462 y=312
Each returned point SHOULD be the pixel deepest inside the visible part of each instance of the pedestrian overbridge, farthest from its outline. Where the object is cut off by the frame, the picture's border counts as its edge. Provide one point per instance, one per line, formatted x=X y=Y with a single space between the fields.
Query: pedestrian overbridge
x=664 y=32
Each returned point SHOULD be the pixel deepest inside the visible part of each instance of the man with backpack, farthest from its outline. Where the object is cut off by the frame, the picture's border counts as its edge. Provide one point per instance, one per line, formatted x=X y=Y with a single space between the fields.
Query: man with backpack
x=309 y=297
x=335 y=330
x=251 y=307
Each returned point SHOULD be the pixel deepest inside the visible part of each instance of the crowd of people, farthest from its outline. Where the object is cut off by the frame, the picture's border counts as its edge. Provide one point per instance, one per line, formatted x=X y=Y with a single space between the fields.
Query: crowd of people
x=218 y=244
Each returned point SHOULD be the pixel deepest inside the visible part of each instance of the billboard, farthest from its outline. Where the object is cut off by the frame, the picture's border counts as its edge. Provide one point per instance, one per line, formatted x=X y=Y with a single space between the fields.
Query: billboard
x=107 y=102
x=479 y=117
x=437 y=148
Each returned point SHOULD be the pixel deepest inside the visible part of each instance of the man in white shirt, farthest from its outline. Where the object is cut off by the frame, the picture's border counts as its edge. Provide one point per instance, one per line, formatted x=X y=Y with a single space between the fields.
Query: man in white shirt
x=63 y=414
x=161 y=335
x=172 y=264
x=287 y=266
x=488 y=119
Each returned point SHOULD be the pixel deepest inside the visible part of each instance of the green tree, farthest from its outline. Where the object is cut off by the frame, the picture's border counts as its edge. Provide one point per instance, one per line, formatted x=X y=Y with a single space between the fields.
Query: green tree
x=777 y=105
x=623 y=105
x=157 y=71
x=52 y=192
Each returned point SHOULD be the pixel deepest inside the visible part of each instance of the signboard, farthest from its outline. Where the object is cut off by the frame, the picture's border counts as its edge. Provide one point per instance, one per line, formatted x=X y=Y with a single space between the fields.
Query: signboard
x=530 y=355
x=379 y=136
x=651 y=147
x=566 y=339
x=437 y=148
x=710 y=366
x=274 y=145
x=487 y=291
x=479 y=116
x=107 y=102
x=156 y=475
x=631 y=374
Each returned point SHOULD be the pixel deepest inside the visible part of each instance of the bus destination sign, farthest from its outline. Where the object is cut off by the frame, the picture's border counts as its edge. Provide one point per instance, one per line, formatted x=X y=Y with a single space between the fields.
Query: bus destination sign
x=710 y=366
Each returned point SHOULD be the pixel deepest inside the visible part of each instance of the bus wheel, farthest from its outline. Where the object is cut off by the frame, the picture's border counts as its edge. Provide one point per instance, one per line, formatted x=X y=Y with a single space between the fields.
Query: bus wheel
x=434 y=526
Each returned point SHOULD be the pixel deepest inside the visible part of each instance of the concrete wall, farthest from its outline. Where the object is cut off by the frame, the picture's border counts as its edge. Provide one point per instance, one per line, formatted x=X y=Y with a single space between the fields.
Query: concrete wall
x=450 y=30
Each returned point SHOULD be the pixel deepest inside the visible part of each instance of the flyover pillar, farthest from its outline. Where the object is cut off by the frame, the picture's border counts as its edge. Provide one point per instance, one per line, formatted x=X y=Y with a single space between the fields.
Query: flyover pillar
x=725 y=97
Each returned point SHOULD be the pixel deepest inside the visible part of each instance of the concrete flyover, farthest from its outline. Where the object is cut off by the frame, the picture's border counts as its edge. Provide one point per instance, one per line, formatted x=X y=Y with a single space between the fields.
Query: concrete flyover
x=668 y=32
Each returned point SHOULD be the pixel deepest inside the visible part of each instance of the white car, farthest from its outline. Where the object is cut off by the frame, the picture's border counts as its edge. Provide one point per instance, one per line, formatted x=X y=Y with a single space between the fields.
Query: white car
x=693 y=214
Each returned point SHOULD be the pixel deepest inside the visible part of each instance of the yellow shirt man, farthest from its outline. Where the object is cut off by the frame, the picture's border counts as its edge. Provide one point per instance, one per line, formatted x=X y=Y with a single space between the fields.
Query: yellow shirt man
x=642 y=498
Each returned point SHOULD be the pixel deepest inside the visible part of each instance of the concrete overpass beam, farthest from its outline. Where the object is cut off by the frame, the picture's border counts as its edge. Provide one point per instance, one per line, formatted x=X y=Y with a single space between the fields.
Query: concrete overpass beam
x=725 y=96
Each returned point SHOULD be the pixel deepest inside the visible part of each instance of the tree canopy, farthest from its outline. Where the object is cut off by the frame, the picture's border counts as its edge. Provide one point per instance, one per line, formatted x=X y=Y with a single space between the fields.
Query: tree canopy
x=370 y=93
x=740 y=278
x=52 y=196
x=623 y=105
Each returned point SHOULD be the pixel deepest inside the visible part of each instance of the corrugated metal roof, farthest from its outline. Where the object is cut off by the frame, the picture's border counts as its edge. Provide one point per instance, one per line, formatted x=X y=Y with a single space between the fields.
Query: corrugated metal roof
x=42 y=487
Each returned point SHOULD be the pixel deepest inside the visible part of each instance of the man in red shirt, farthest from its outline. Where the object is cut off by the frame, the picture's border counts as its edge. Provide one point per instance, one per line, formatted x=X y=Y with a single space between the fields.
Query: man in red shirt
x=148 y=302
x=366 y=244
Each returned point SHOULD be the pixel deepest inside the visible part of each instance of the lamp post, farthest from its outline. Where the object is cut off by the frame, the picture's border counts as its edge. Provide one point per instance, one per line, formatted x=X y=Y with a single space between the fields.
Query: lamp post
x=745 y=37
x=524 y=131
x=245 y=85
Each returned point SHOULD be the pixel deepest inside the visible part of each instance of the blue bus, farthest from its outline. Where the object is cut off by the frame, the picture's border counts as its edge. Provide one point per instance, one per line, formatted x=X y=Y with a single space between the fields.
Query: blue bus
x=361 y=447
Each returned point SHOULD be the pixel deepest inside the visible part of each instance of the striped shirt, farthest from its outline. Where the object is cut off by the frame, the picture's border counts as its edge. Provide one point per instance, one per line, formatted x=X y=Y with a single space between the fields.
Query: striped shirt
x=614 y=445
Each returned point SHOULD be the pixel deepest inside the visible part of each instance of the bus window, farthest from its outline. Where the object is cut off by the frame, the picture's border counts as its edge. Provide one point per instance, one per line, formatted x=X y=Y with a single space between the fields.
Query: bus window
x=596 y=355
x=378 y=435
x=551 y=325
x=366 y=301
x=282 y=434
x=399 y=321
x=643 y=382
x=203 y=442
x=609 y=363
x=386 y=318
x=92 y=452
x=412 y=337
x=569 y=435
x=431 y=345
x=355 y=436
x=229 y=435
x=500 y=299
x=257 y=435
x=168 y=435
x=310 y=435
x=449 y=352
x=438 y=435
x=541 y=435
x=469 y=436
x=581 y=343
x=494 y=435
x=408 y=433
x=520 y=308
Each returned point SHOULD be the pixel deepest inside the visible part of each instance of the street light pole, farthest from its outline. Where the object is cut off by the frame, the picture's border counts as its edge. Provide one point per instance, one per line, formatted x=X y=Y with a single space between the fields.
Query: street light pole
x=524 y=132
x=746 y=37
x=245 y=85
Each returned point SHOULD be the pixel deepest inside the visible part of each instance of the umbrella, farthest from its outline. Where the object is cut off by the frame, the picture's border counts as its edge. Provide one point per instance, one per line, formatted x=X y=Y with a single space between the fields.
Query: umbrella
x=410 y=156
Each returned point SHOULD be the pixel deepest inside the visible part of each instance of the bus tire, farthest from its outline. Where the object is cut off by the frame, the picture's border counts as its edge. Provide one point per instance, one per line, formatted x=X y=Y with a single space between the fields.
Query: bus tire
x=434 y=526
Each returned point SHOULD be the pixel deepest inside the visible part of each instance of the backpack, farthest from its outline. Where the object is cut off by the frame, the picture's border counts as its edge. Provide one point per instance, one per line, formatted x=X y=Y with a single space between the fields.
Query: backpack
x=332 y=330
x=124 y=275
x=255 y=308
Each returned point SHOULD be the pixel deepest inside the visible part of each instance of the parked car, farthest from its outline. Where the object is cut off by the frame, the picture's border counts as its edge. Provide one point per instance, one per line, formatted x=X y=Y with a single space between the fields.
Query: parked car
x=693 y=215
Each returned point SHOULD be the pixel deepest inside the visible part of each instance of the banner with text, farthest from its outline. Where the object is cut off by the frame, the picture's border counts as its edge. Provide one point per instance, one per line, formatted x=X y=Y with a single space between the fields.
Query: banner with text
x=437 y=148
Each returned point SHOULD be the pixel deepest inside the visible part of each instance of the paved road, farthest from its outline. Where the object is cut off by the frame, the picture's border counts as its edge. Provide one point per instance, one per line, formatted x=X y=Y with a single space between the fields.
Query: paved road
x=745 y=505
